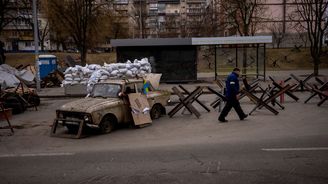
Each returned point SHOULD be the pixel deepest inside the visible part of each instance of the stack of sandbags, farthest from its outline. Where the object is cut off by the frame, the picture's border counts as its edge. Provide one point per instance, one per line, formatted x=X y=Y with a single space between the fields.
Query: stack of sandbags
x=92 y=74
x=120 y=70
x=79 y=74
x=129 y=70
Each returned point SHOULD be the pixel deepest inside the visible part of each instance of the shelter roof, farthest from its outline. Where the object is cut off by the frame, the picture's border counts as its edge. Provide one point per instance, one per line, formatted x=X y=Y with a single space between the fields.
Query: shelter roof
x=191 y=41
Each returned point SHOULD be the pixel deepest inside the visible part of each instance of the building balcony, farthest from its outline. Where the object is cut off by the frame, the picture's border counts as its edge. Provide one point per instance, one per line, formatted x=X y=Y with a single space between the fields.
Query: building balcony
x=152 y=14
x=169 y=1
x=138 y=1
x=26 y=38
x=153 y=8
x=194 y=13
x=121 y=2
x=18 y=27
x=195 y=1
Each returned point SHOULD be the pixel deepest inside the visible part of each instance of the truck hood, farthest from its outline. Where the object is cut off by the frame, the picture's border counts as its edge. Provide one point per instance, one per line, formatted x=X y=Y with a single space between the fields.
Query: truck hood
x=89 y=104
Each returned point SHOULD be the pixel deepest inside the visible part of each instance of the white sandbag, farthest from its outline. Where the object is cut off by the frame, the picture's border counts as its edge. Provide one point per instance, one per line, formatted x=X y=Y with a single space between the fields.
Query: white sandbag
x=109 y=69
x=85 y=70
x=104 y=77
x=68 y=70
x=121 y=65
x=142 y=73
x=133 y=69
x=137 y=65
x=123 y=71
x=143 y=62
x=65 y=83
x=68 y=76
x=103 y=72
x=94 y=67
x=129 y=73
x=128 y=66
x=114 y=66
x=74 y=82
x=114 y=73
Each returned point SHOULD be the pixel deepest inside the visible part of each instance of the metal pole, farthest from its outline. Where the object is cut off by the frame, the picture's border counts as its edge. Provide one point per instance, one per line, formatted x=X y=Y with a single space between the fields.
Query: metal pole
x=140 y=19
x=36 y=46
x=264 y=73
x=215 y=76
x=257 y=61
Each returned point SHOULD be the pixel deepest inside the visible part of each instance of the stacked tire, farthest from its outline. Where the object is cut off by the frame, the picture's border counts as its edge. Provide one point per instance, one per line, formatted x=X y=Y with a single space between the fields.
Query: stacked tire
x=15 y=102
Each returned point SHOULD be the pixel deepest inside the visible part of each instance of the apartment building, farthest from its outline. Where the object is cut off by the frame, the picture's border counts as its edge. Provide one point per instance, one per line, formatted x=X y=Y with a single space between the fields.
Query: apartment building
x=18 y=34
x=162 y=18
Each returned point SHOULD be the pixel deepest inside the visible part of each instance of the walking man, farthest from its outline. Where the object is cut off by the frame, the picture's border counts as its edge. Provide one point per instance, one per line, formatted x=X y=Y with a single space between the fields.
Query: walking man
x=232 y=90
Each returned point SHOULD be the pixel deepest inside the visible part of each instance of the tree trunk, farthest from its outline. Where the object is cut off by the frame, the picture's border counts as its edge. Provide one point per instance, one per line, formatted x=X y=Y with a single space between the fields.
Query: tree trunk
x=83 y=56
x=42 y=45
x=316 y=67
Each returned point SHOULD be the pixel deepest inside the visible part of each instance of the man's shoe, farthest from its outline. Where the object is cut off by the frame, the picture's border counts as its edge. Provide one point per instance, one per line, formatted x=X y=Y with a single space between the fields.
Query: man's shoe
x=223 y=120
x=245 y=116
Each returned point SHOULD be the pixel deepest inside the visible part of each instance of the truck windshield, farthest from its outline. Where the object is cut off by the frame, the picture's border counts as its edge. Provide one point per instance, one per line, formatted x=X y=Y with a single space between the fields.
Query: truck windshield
x=106 y=90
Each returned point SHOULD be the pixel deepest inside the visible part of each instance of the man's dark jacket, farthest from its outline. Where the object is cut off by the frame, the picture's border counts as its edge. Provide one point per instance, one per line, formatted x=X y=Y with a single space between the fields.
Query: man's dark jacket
x=232 y=85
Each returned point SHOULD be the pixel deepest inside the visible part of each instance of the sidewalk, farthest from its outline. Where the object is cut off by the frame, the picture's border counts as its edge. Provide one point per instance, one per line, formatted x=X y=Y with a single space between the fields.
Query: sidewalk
x=204 y=79
x=279 y=74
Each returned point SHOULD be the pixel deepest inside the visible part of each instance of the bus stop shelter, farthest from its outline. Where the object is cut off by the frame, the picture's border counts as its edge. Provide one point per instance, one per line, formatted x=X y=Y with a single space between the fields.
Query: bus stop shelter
x=177 y=58
x=247 y=53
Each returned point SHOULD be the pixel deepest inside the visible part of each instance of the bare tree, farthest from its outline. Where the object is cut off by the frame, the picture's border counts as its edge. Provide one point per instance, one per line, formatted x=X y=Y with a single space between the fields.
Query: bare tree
x=139 y=16
x=81 y=19
x=115 y=25
x=244 y=17
x=301 y=35
x=278 y=35
x=312 y=16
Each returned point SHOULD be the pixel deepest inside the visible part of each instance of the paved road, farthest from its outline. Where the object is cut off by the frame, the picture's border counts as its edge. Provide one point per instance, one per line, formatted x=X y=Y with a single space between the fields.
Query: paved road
x=291 y=147
x=242 y=162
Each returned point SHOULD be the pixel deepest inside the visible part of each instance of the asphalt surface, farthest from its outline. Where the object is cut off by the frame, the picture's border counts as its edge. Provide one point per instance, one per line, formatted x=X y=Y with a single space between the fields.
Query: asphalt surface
x=291 y=147
x=199 y=163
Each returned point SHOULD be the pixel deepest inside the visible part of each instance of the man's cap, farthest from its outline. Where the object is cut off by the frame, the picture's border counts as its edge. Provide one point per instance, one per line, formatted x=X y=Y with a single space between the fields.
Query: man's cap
x=236 y=69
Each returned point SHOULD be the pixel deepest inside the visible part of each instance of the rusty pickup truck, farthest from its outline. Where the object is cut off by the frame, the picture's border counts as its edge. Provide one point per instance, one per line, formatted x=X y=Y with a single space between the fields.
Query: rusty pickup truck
x=107 y=106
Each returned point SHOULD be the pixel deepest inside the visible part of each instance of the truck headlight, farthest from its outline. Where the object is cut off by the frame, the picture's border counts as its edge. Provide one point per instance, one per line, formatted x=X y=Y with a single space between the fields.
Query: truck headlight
x=86 y=118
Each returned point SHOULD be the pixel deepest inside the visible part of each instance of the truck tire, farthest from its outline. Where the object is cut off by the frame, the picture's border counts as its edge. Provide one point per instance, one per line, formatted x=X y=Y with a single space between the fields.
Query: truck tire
x=108 y=124
x=156 y=111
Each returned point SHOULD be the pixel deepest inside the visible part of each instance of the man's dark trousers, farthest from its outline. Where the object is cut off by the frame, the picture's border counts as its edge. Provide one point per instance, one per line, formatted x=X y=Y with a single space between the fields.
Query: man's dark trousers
x=232 y=102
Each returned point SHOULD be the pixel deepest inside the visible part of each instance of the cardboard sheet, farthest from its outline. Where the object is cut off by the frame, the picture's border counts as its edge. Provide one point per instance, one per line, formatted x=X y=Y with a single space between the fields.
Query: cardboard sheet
x=140 y=108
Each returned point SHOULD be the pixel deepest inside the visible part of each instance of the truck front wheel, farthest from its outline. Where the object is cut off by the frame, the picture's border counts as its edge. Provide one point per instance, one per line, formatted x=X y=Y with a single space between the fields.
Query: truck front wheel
x=156 y=111
x=107 y=124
